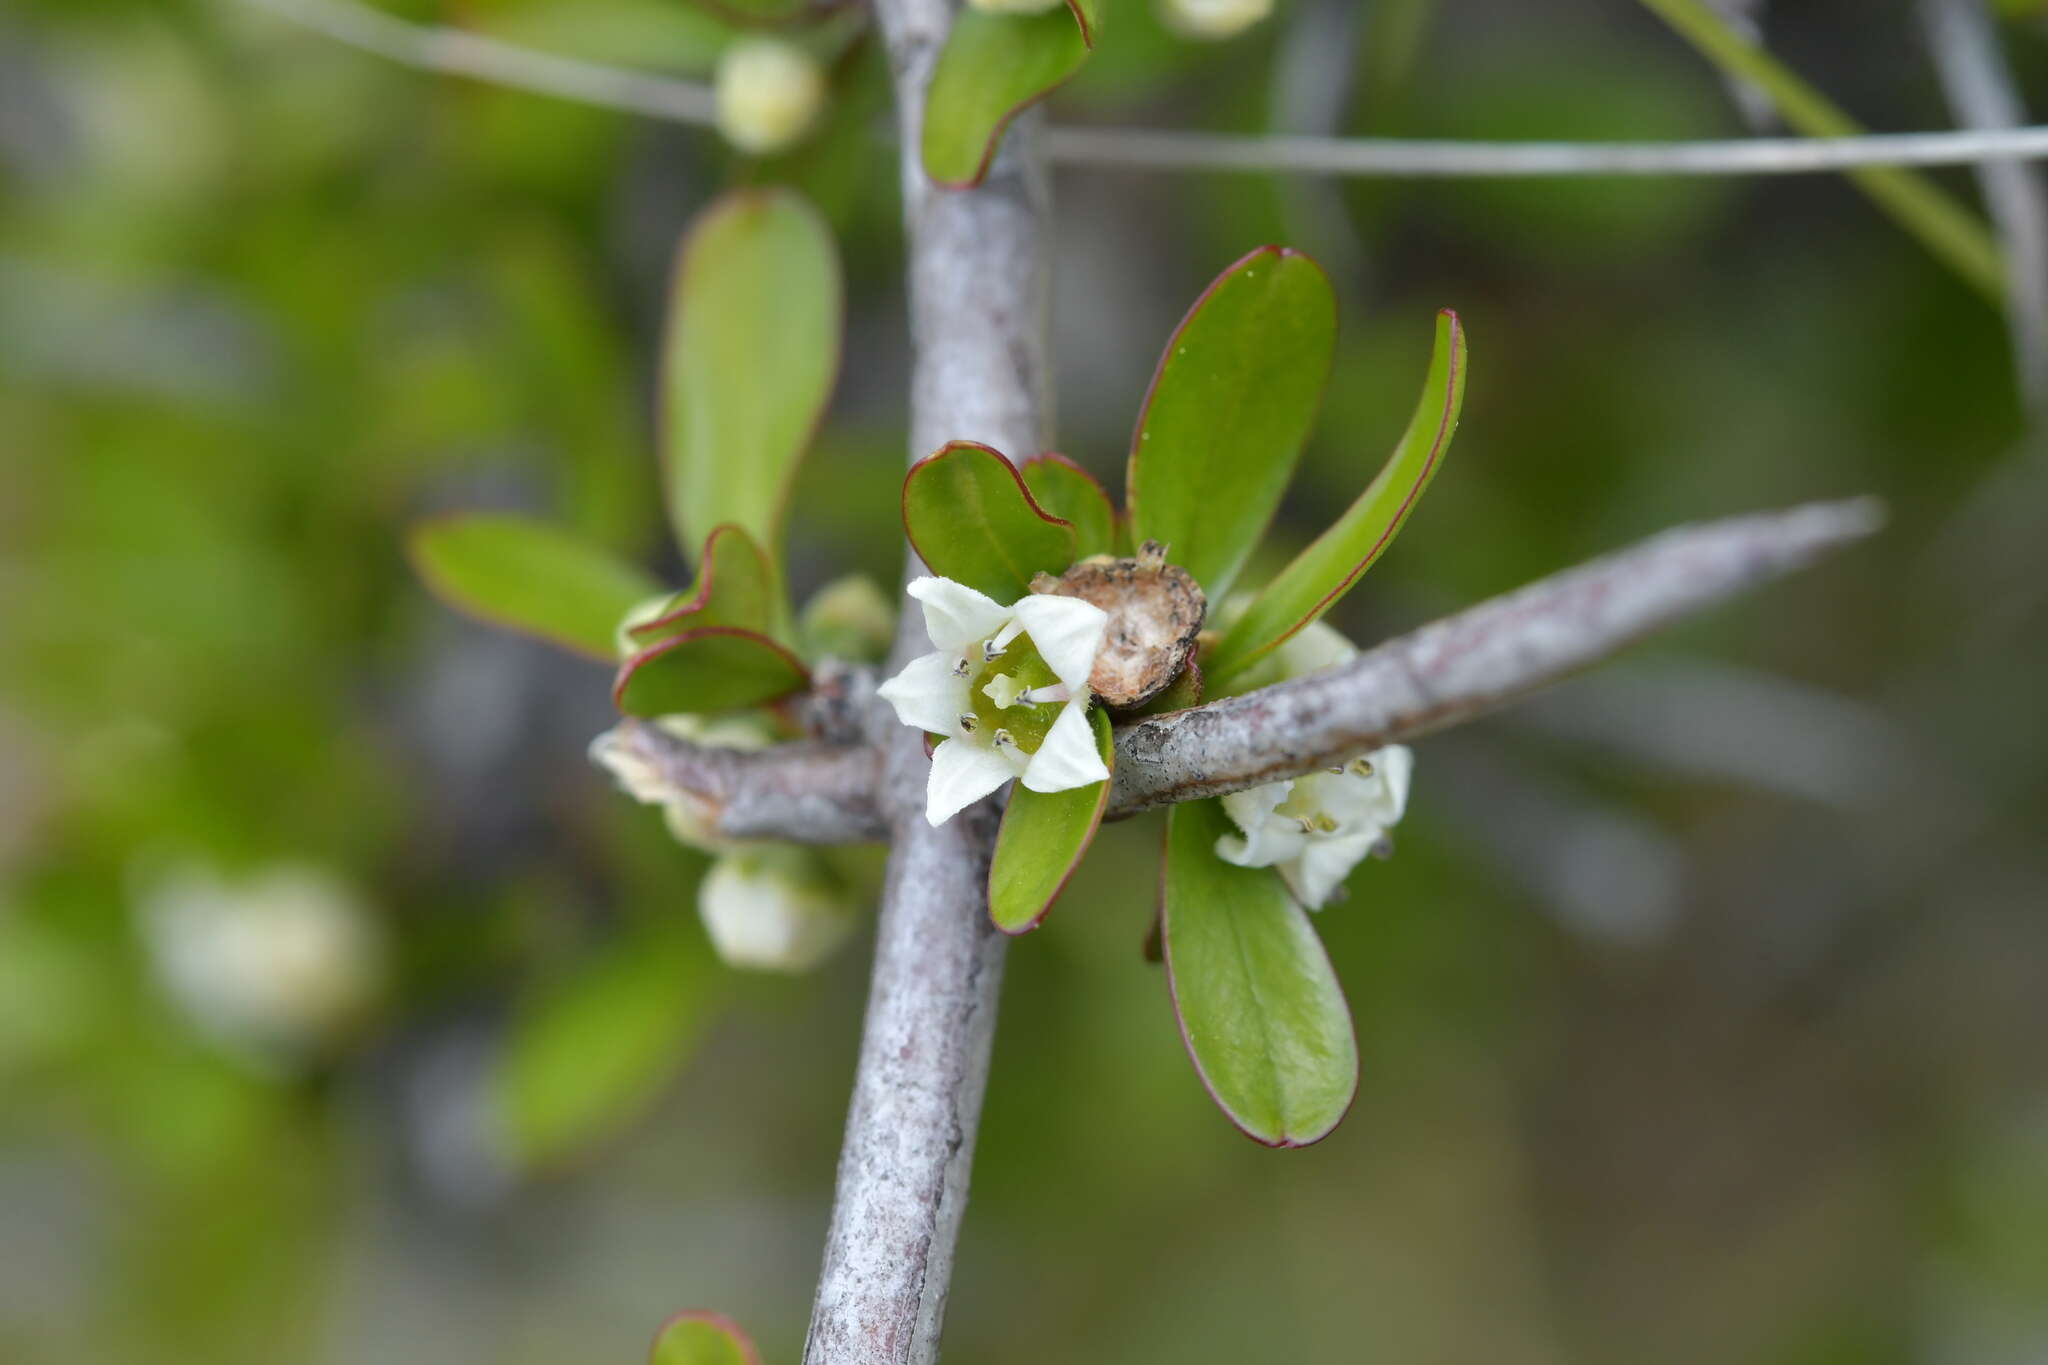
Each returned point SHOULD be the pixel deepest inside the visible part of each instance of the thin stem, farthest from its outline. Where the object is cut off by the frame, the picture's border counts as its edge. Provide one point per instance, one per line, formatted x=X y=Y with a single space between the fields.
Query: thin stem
x=1951 y=232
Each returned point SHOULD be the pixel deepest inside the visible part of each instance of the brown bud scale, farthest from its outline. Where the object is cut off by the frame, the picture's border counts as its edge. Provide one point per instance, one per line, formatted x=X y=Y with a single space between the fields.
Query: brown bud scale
x=1155 y=611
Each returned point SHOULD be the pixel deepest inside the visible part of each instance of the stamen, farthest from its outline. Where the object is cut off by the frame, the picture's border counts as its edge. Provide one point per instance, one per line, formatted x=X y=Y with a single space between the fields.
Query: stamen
x=1038 y=696
x=960 y=668
x=968 y=720
x=1003 y=739
x=1324 y=823
x=1000 y=641
x=1308 y=826
x=1361 y=767
x=1337 y=771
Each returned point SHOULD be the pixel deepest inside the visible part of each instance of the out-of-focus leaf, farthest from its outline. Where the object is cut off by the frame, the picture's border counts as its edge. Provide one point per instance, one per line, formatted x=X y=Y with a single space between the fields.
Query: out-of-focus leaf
x=1088 y=14
x=971 y=518
x=1187 y=689
x=1260 y=1008
x=1041 y=841
x=711 y=668
x=586 y=1058
x=1232 y=403
x=528 y=576
x=736 y=586
x=753 y=349
x=993 y=67
x=701 y=1338
x=1071 y=493
x=1325 y=571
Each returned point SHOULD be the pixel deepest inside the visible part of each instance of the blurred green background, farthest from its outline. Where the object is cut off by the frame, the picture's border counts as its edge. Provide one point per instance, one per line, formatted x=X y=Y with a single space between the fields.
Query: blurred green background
x=1701 y=1011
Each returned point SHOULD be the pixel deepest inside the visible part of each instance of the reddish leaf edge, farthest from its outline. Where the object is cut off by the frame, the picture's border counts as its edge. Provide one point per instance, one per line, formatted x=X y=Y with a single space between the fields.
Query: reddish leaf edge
x=1080 y=13
x=1094 y=828
x=1116 y=515
x=1444 y=431
x=995 y=134
x=1166 y=354
x=650 y=654
x=731 y=202
x=440 y=590
x=720 y=1321
x=701 y=597
x=1285 y=1142
x=1016 y=476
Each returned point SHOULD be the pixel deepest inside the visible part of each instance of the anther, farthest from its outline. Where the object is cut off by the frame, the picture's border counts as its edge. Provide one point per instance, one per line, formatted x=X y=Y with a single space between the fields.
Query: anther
x=968 y=721
x=1361 y=767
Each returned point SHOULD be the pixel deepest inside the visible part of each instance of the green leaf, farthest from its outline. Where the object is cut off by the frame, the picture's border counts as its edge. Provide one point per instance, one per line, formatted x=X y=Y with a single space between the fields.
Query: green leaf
x=1088 y=14
x=1041 y=841
x=752 y=353
x=585 y=1059
x=701 y=1338
x=992 y=68
x=1260 y=1008
x=971 y=518
x=711 y=668
x=736 y=586
x=1071 y=493
x=1187 y=689
x=1232 y=403
x=1325 y=571
x=528 y=576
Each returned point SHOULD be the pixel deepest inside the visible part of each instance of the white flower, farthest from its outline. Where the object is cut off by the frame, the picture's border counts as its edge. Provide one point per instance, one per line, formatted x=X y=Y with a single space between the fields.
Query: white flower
x=1008 y=687
x=272 y=966
x=1213 y=19
x=774 y=908
x=1016 y=6
x=690 y=819
x=1316 y=828
x=769 y=93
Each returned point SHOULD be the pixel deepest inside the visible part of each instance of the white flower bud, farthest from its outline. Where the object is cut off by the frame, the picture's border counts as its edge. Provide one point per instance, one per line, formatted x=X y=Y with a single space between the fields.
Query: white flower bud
x=1212 y=20
x=769 y=94
x=643 y=779
x=1016 y=6
x=774 y=908
x=849 y=618
x=275 y=966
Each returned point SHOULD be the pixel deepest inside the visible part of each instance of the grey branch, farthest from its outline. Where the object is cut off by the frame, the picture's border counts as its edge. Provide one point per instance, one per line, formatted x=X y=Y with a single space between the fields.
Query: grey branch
x=978 y=276
x=808 y=793
x=1471 y=663
x=457 y=52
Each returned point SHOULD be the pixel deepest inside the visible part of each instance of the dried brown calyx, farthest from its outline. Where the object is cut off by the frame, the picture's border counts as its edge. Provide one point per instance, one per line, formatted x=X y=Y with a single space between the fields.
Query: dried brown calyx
x=1155 y=611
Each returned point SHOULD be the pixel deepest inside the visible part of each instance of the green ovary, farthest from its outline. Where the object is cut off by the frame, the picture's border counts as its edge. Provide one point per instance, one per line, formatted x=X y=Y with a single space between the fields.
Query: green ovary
x=1028 y=724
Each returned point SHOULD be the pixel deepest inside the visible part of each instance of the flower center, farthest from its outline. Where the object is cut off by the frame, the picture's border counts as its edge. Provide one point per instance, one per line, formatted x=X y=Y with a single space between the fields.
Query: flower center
x=1018 y=669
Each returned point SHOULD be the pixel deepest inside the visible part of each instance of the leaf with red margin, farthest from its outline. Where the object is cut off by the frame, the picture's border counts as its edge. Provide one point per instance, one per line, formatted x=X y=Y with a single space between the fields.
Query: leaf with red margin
x=1325 y=571
x=1088 y=14
x=1259 y=1006
x=1041 y=841
x=1071 y=493
x=750 y=358
x=712 y=668
x=994 y=66
x=1187 y=689
x=971 y=518
x=736 y=586
x=1231 y=405
x=528 y=576
x=699 y=1337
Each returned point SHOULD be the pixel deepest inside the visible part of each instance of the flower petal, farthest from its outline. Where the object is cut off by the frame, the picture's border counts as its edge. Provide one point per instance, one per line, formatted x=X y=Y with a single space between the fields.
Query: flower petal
x=1394 y=766
x=1068 y=633
x=962 y=773
x=1067 y=757
x=928 y=694
x=1323 y=866
x=955 y=615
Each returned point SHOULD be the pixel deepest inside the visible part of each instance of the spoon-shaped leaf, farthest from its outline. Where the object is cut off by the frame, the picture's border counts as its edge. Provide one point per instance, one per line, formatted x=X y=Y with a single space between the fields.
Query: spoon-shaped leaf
x=702 y=1338
x=1232 y=403
x=993 y=67
x=736 y=586
x=971 y=519
x=1071 y=493
x=752 y=353
x=1325 y=571
x=529 y=576
x=711 y=668
x=1259 y=1006
x=1041 y=841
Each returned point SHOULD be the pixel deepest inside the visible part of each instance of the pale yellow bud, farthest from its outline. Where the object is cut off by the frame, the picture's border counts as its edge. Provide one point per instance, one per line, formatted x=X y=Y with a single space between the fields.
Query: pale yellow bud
x=1212 y=20
x=774 y=908
x=769 y=94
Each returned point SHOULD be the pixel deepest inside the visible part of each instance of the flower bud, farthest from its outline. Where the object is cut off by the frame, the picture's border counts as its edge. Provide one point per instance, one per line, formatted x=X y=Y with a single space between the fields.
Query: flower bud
x=1212 y=20
x=849 y=618
x=769 y=94
x=774 y=908
x=641 y=778
x=276 y=966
